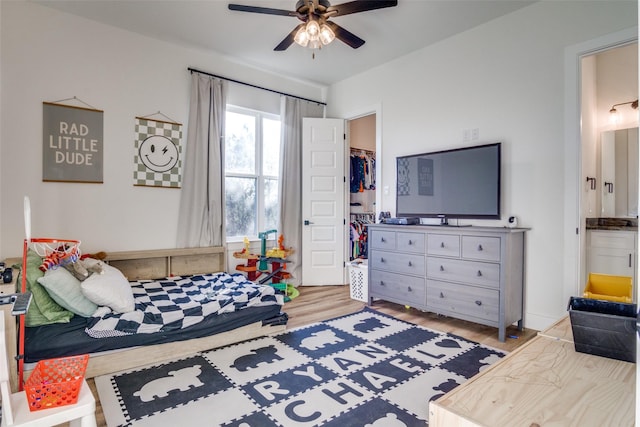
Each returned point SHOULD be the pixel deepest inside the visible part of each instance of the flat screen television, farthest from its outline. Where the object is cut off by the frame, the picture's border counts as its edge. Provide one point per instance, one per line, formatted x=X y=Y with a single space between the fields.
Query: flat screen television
x=459 y=183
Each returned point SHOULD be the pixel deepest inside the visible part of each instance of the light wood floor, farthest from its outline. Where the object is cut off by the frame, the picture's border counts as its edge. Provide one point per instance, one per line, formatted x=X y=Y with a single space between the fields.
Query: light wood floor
x=317 y=303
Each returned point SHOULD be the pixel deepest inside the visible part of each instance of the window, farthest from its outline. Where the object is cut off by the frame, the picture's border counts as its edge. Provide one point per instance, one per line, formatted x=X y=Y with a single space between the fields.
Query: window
x=252 y=165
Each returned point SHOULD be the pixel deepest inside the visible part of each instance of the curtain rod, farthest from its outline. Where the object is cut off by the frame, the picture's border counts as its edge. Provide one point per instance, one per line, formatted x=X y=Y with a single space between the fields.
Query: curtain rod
x=193 y=70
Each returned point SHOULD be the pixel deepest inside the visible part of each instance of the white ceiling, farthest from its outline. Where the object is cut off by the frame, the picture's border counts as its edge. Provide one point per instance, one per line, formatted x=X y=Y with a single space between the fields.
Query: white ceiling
x=249 y=38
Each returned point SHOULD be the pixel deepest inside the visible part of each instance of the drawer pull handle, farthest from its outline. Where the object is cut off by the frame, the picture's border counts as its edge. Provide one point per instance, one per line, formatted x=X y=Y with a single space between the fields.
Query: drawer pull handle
x=442 y=244
x=382 y=283
x=409 y=288
x=441 y=295
x=441 y=268
x=382 y=259
x=480 y=247
x=410 y=242
x=410 y=264
x=478 y=302
x=630 y=260
x=382 y=240
x=479 y=273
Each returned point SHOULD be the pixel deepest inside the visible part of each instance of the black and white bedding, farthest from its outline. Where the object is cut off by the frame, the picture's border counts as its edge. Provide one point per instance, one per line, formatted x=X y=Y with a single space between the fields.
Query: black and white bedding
x=175 y=303
x=242 y=303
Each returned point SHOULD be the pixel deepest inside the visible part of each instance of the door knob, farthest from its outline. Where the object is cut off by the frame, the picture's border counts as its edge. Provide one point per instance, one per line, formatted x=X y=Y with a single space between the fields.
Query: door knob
x=307 y=222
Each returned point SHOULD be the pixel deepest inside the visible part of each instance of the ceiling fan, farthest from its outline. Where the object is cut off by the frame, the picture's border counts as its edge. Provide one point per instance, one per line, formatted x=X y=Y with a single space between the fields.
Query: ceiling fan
x=316 y=29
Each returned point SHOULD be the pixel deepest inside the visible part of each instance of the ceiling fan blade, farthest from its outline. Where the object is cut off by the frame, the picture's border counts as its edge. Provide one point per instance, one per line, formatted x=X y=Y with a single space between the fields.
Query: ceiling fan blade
x=345 y=36
x=265 y=10
x=284 y=44
x=358 y=6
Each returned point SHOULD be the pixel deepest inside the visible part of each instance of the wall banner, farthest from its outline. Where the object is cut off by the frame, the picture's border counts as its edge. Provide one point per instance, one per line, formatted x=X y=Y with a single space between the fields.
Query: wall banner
x=158 y=154
x=72 y=143
x=425 y=177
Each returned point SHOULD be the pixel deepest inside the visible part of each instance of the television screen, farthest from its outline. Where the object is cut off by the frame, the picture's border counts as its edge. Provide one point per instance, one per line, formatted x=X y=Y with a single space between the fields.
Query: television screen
x=460 y=183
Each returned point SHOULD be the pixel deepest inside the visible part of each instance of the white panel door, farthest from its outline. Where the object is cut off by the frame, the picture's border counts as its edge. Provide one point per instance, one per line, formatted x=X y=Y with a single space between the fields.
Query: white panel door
x=323 y=201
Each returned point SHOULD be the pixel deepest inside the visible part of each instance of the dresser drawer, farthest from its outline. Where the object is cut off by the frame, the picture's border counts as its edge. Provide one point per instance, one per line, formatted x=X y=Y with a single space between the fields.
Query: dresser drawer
x=481 y=303
x=395 y=286
x=456 y=270
x=443 y=244
x=380 y=239
x=397 y=262
x=410 y=242
x=481 y=248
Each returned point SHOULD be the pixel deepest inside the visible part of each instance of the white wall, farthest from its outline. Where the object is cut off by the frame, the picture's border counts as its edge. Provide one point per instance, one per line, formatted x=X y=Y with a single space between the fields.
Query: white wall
x=617 y=81
x=505 y=78
x=48 y=56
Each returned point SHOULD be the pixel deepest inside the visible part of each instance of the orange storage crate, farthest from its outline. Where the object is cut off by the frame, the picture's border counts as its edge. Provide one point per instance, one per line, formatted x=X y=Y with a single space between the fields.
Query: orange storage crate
x=55 y=382
x=609 y=288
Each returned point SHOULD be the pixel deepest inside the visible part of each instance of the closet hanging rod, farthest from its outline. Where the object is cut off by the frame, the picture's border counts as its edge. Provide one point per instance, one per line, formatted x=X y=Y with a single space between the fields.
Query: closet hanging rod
x=360 y=150
x=193 y=70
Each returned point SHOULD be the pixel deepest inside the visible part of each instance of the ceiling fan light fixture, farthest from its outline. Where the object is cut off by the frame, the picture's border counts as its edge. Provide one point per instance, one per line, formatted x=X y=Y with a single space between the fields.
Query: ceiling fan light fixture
x=316 y=29
x=326 y=34
x=301 y=37
x=315 y=44
x=313 y=29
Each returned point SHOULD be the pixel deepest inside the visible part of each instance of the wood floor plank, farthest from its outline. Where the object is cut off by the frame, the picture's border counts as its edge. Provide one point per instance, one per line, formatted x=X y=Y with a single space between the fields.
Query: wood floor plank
x=318 y=303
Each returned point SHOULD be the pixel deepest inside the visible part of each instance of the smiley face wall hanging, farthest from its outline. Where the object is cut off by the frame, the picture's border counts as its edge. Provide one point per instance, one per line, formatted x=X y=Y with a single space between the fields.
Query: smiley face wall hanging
x=157 y=158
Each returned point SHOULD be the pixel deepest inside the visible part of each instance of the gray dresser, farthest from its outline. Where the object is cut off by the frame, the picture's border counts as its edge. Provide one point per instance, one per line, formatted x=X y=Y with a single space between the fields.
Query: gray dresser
x=471 y=273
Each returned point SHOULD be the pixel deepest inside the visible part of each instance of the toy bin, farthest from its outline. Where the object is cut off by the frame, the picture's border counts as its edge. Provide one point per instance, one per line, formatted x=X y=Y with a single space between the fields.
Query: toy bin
x=608 y=287
x=359 y=280
x=604 y=328
x=55 y=382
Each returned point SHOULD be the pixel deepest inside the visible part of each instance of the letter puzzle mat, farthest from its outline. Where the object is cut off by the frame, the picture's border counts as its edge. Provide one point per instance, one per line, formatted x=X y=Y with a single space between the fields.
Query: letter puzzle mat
x=363 y=369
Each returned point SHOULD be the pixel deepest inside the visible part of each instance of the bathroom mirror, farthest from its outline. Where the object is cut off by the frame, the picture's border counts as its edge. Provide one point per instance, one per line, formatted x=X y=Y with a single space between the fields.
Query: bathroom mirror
x=619 y=173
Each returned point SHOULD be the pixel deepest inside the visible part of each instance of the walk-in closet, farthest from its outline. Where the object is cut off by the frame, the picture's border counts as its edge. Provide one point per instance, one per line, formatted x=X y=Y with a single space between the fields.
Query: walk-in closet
x=362 y=183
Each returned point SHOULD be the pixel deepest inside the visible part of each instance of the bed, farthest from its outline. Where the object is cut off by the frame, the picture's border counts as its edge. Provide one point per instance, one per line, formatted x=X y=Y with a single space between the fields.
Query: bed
x=125 y=352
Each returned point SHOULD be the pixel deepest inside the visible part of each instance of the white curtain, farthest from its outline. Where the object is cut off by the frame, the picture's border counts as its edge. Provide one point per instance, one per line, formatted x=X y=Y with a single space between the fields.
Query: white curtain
x=290 y=183
x=201 y=215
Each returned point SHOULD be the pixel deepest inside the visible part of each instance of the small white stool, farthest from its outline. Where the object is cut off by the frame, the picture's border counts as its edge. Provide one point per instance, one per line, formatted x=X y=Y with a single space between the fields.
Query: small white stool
x=15 y=408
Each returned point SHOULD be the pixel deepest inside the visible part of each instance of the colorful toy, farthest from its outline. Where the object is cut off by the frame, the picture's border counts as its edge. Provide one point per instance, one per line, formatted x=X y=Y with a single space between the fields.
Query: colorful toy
x=258 y=265
x=263 y=249
x=280 y=251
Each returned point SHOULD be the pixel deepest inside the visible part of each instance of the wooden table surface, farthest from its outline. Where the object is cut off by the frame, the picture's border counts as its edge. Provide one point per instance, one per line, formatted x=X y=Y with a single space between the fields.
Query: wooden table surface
x=543 y=383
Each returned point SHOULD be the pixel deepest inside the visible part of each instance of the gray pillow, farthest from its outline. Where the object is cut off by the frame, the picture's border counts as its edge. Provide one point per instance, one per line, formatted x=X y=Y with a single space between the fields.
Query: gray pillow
x=65 y=289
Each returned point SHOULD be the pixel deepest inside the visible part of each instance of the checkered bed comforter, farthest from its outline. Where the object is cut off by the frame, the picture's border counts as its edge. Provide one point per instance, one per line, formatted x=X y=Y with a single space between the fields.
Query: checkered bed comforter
x=178 y=302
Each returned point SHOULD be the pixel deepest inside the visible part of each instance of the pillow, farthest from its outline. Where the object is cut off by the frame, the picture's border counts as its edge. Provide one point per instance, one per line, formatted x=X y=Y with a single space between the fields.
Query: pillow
x=65 y=290
x=43 y=310
x=109 y=289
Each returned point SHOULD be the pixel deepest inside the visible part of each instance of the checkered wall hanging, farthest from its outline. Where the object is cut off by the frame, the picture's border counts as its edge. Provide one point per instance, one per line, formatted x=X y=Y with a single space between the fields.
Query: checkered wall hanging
x=404 y=181
x=158 y=154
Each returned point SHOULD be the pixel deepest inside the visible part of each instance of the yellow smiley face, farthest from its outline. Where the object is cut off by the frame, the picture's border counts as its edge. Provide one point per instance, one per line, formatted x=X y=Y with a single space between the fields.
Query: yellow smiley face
x=158 y=153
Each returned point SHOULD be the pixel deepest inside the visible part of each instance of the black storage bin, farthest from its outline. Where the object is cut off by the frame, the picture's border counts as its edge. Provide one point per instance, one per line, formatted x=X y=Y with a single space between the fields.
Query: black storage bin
x=604 y=328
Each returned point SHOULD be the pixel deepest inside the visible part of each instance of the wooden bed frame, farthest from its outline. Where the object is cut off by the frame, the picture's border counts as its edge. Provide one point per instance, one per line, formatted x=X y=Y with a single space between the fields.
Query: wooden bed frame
x=140 y=265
